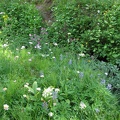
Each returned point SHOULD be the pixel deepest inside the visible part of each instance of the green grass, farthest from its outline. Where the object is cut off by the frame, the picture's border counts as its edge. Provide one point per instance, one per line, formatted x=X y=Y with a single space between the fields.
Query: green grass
x=74 y=77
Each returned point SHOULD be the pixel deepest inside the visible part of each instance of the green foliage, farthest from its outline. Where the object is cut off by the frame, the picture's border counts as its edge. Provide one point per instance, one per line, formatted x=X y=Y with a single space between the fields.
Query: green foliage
x=95 y=24
x=112 y=78
x=53 y=81
x=103 y=40
x=45 y=82
x=19 y=20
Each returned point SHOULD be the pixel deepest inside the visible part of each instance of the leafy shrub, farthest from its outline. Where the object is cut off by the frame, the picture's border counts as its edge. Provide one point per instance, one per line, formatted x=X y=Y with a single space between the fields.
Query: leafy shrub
x=23 y=19
x=103 y=40
x=93 y=24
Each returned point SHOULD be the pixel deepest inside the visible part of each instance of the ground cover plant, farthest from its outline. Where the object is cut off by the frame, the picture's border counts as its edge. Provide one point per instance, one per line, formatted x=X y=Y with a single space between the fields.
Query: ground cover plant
x=39 y=80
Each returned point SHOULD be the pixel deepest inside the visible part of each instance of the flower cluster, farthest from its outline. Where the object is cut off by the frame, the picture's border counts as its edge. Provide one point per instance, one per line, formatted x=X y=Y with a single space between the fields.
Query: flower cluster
x=50 y=92
x=47 y=92
x=26 y=85
x=48 y=96
x=82 y=55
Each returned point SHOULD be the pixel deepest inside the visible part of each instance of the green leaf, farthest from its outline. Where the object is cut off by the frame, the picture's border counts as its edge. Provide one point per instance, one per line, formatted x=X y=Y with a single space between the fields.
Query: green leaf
x=34 y=86
x=115 y=55
x=32 y=98
x=112 y=41
x=68 y=101
x=105 y=46
x=97 y=41
x=31 y=90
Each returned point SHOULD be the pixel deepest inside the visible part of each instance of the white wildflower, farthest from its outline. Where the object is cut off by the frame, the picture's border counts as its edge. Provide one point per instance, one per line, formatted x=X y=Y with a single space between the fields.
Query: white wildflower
x=98 y=11
x=29 y=90
x=30 y=35
x=54 y=104
x=16 y=57
x=43 y=55
x=26 y=86
x=2 y=13
x=38 y=89
x=106 y=73
x=47 y=55
x=29 y=60
x=47 y=92
x=14 y=81
x=41 y=75
x=6 y=107
x=4 y=89
x=55 y=44
x=27 y=83
x=69 y=33
x=38 y=46
x=23 y=47
x=57 y=89
x=29 y=53
x=50 y=114
x=31 y=43
x=82 y=105
x=24 y=96
x=4 y=45
x=53 y=57
x=81 y=54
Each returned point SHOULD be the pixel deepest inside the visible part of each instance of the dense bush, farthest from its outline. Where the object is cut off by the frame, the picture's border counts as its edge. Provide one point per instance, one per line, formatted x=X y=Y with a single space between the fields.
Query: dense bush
x=18 y=20
x=103 y=40
x=95 y=25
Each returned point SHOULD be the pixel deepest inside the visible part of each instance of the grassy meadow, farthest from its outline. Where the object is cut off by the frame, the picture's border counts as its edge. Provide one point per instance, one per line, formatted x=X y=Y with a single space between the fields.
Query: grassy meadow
x=44 y=79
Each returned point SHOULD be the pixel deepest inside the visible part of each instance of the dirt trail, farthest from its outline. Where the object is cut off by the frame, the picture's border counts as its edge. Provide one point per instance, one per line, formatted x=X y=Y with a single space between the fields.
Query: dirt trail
x=45 y=10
